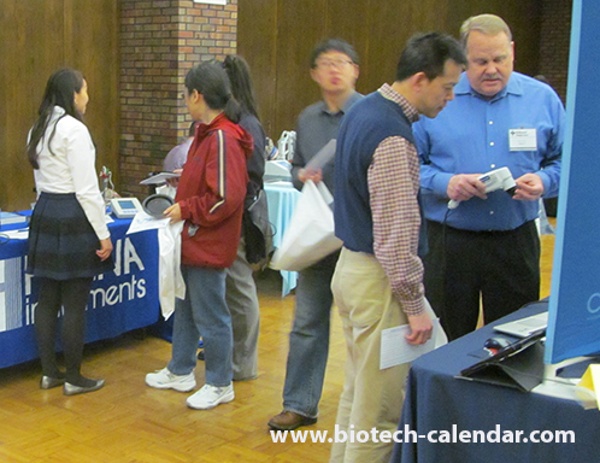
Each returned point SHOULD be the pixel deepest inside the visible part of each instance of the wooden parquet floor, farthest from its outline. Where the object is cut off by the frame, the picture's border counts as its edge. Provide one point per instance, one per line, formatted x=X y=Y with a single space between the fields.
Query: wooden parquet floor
x=129 y=422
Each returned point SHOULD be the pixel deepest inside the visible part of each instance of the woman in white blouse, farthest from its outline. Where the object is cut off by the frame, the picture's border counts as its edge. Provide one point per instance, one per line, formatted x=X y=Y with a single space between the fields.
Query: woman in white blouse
x=69 y=242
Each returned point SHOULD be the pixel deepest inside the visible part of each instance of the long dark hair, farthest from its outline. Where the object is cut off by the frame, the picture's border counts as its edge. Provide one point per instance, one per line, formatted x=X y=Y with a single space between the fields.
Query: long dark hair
x=241 y=83
x=211 y=81
x=60 y=91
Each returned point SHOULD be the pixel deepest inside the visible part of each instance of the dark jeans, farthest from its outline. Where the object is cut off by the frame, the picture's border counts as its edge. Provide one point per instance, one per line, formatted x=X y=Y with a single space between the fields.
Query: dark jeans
x=499 y=267
x=309 y=339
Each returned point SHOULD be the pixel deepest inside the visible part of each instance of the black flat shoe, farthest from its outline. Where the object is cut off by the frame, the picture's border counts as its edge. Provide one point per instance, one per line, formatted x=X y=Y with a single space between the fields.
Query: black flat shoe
x=72 y=389
x=48 y=382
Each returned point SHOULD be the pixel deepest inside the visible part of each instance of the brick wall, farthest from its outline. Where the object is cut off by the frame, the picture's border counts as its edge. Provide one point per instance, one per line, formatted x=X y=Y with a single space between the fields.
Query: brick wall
x=160 y=41
x=555 y=39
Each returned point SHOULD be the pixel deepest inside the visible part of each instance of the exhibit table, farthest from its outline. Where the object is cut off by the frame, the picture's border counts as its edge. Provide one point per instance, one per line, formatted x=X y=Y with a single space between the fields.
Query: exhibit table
x=120 y=301
x=282 y=198
x=441 y=406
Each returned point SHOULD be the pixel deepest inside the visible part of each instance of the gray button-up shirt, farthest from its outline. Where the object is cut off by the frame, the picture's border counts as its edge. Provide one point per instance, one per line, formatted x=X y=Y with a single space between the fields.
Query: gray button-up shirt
x=317 y=125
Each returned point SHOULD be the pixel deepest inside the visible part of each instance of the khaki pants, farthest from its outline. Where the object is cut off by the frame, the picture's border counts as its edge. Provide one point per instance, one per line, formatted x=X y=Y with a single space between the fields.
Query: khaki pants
x=372 y=398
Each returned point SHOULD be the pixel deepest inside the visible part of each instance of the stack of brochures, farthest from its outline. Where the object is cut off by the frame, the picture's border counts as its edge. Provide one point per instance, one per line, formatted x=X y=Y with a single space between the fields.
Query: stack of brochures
x=8 y=218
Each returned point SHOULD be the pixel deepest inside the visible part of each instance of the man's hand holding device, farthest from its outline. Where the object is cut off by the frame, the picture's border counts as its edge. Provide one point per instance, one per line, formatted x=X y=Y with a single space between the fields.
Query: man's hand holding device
x=464 y=186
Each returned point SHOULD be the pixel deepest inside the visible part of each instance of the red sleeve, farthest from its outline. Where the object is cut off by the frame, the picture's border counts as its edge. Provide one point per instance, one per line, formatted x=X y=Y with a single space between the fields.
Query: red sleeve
x=225 y=180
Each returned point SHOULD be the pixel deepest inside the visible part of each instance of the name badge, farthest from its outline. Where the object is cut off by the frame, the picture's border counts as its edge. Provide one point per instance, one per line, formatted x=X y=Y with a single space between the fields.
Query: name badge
x=522 y=140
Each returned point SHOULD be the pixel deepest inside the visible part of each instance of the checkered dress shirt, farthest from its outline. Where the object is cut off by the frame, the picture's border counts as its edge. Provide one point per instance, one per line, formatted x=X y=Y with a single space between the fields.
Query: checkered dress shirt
x=393 y=180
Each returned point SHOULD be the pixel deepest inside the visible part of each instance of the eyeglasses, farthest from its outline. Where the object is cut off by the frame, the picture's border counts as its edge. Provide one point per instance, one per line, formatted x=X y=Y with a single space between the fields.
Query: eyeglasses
x=333 y=63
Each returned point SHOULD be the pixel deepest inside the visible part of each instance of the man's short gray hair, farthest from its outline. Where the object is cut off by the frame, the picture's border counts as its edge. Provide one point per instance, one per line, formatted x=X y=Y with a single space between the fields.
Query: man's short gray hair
x=488 y=24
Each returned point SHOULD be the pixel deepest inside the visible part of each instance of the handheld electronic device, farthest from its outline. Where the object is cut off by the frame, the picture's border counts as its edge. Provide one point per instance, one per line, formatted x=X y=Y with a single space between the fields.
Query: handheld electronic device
x=498 y=179
x=125 y=208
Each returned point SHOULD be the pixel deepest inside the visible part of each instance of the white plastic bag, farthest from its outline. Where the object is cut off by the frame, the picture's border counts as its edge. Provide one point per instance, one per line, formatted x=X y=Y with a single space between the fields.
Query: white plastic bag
x=171 y=284
x=310 y=236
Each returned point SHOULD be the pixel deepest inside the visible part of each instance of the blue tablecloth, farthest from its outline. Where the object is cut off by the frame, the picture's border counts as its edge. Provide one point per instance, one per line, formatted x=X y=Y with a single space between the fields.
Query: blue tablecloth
x=282 y=198
x=120 y=301
x=436 y=401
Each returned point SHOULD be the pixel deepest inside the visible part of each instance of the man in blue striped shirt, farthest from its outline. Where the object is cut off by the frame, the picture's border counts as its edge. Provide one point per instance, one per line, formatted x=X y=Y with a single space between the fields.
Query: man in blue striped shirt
x=488 y=247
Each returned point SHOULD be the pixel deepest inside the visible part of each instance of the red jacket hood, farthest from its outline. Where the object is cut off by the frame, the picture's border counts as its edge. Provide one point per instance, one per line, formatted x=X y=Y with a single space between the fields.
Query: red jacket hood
x=222 y=122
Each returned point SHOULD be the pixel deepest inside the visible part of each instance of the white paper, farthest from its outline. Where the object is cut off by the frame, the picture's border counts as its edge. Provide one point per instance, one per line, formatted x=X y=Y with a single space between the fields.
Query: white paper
x=21 y=234
x=323 y=157
x=395 y=350
x=161 y=177
x=168 y=190
x=142 y=222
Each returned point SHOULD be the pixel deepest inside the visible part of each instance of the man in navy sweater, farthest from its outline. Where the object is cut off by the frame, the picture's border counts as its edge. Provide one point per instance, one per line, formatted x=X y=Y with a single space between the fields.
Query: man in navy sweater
x=378 y=280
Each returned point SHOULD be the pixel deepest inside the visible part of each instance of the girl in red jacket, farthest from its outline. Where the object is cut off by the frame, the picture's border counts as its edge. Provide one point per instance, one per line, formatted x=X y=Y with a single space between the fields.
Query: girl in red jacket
x=210 y=199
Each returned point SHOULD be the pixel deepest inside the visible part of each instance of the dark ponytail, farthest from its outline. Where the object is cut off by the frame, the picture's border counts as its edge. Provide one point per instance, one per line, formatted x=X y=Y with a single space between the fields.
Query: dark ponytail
x=210 y=80
x=241 y=83
x=232 y=109
x=60 y=91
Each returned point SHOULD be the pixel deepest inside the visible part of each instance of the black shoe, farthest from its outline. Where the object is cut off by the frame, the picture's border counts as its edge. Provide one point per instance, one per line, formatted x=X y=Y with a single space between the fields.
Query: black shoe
x=287 y=421
x=72 y=389
x=48 y=382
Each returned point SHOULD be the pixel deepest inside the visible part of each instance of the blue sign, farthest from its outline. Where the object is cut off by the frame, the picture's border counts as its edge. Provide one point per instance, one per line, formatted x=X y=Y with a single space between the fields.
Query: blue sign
x=574 y=308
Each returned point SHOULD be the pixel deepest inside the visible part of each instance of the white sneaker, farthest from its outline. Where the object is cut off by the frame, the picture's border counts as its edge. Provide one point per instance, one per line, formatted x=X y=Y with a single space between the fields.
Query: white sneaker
x=210 y=396
x=164 y=379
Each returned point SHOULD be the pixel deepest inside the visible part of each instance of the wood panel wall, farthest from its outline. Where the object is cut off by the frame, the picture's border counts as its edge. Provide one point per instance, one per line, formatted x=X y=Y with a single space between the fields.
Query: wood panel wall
x=277 y=36
x=36 y=38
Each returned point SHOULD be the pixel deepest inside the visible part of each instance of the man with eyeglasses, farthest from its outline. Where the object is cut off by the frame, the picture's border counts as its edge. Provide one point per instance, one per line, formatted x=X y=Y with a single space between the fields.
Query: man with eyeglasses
x=334 y=67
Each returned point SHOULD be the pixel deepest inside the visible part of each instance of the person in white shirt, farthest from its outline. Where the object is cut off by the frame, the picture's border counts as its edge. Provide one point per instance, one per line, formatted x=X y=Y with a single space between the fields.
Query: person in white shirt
x=69 y=242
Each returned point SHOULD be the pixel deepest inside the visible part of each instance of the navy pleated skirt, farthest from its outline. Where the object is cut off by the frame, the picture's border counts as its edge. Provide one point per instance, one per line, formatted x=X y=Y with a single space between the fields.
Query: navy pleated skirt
x=62 y=242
